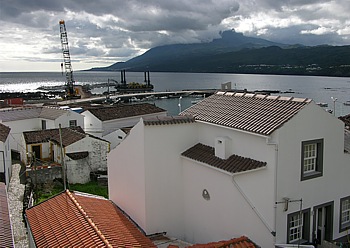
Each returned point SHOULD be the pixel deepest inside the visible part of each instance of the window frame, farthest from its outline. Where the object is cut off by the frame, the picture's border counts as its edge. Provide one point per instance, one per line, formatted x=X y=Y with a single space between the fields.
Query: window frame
x=344 y=227
x=305 y=232
x=318 y=170
x=73 y=121
x=43 y=125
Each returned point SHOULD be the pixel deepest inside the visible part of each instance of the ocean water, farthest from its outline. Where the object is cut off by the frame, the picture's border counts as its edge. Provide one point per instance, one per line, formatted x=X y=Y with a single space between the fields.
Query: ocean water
x=320 y=89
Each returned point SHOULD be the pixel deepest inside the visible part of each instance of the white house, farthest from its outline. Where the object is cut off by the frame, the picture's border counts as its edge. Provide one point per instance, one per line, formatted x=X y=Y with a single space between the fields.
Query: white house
x=37 y=118
x=106 y=121
x=83 y=153
x=5 y=155
x=271 y=168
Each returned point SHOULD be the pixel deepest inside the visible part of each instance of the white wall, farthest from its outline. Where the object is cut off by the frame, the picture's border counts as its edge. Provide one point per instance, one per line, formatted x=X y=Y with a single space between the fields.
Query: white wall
x=70 y=115
x=227 y=214
x=92 y=124
x=115 y=138
x=126 y=175
x=164 y=176
x=5 y=160
x=309 y=124
x=79 y=170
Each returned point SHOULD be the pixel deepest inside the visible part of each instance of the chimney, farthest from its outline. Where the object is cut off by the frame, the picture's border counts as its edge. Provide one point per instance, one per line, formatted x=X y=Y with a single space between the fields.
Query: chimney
x=223 y=147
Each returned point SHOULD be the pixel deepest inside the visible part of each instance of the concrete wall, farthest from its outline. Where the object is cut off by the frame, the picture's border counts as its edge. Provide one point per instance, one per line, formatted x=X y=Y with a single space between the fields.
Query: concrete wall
x=310 y=124
x=79 y=170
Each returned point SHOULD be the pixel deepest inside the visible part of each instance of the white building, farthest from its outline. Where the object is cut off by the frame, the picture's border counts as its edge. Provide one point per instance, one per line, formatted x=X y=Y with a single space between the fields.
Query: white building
x=106 y=122
x=236 y=164
x=37 y=118
x=5 y=155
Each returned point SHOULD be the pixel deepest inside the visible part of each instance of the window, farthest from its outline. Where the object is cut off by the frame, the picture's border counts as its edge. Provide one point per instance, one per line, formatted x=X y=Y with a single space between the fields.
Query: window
x=344 y=214
x=72 y=123
x=311 y=159
x=299 y=227
x=43 y=124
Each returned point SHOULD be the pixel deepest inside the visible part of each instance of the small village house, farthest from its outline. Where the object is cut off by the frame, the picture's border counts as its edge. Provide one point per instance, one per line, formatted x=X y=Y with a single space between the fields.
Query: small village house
x=269 y=167
x=107 y=121
x=82 y=153
x=5 y=154
x=36 y=118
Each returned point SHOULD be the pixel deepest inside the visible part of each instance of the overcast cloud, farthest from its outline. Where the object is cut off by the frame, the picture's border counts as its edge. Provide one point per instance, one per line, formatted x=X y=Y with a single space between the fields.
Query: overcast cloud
x=101 y=33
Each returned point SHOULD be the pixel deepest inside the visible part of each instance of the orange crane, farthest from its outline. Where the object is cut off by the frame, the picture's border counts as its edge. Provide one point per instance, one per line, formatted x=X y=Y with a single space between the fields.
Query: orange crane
x=71 y=92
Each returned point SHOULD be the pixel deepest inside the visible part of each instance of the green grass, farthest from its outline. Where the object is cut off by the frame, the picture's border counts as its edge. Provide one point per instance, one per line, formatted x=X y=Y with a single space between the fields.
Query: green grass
x=91 y=188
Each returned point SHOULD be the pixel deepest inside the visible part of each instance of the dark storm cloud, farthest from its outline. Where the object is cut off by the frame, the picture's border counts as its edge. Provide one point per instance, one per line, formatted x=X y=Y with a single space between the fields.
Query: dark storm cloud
x=103 y=30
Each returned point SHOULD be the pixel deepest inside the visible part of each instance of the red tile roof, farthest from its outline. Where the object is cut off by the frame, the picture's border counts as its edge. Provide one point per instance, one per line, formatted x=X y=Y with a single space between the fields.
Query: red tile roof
x=4 y=132
x=80 y=220
x=242 y=242
x=6 y=238
x=262 y=114
x=233 y=164
x=123 y=111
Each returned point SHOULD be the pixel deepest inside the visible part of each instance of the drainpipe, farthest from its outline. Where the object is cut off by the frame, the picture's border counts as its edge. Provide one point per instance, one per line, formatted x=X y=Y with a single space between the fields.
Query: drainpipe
x=268 y=142
x=252 y=206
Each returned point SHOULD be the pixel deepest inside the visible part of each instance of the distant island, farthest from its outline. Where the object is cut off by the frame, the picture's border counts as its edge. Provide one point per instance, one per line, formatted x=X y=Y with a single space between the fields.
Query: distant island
x=236 y=53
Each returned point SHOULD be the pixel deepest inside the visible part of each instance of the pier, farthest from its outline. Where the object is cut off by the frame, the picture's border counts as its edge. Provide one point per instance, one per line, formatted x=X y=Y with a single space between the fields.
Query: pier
x=127 y=97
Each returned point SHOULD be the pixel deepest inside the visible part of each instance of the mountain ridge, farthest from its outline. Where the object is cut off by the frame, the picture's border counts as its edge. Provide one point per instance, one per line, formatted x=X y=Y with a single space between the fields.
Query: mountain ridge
x=236 y=53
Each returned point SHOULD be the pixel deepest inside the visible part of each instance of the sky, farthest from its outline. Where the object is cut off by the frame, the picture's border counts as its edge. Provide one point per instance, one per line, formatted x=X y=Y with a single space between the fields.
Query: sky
x=103 y=32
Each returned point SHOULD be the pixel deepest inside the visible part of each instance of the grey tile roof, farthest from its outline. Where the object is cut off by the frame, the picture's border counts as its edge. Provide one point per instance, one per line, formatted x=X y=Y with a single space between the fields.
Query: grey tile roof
x=4 y=132
x=6 y=238
x=69 y=136
x=30 y=113
x=347 y=141
x=233 y=164
x=261 y=114
x=167 y=120
x=123 y=111
x=346 y=120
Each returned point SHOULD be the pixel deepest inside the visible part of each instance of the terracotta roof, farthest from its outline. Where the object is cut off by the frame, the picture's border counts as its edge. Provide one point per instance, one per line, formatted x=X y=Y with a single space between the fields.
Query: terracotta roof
x=123 y=111
x=167 y=120
x=77 y=155
x=242 y=242
x=24 y=113
x=75 y=220
x=70 y=135
x=6 y=237
x=233 y=164
x=4 y=132
x=255 y=113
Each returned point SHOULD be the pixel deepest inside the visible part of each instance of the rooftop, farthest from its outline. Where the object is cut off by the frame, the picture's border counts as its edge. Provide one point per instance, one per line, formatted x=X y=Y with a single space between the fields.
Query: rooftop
x=261 y=114
x=69 y=135
x=234 y=164
x=124 y=111
x=23 y=113
x=6 y=237
x=71 y=219
x=4 y=132
x=167 y=120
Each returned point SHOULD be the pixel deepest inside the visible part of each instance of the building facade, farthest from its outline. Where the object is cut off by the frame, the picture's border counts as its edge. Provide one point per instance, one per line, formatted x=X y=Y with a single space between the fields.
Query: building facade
x=272 y=168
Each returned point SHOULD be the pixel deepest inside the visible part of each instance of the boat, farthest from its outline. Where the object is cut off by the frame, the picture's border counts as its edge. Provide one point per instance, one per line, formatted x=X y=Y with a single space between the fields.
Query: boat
x=347 y=103
x=322 y=104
